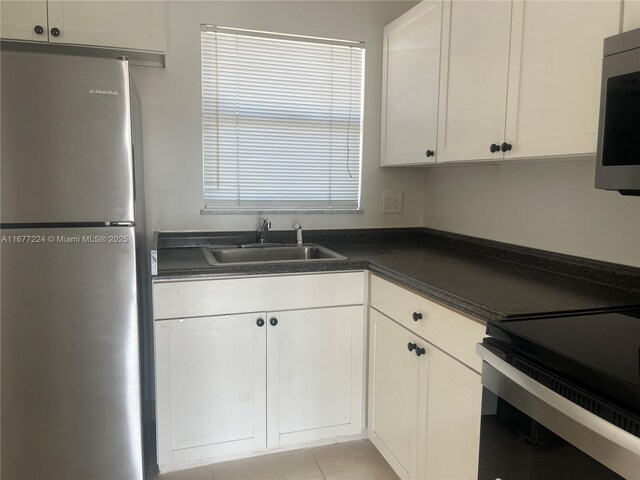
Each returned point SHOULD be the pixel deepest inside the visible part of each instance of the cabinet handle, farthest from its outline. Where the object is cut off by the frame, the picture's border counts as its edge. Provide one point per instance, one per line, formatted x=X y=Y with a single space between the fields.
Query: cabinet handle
x=55 y=32
x=420 y=351
x=411 y=346
x=505 y=147
x=494 y=147
x=273 y=322
x=416 y=316
x=260 y=322
x=430 y=153
x=38 y=29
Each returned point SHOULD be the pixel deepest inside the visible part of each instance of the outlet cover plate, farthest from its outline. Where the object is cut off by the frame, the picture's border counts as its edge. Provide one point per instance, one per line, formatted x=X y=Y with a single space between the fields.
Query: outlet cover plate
x=392 y=202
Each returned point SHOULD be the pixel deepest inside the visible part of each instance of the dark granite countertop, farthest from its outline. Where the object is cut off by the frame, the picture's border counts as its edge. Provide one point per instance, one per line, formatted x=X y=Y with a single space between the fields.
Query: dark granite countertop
x=487 y=280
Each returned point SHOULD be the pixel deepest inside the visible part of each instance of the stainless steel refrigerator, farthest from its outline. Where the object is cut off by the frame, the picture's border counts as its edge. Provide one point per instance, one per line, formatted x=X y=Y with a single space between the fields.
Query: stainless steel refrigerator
x=72 y=264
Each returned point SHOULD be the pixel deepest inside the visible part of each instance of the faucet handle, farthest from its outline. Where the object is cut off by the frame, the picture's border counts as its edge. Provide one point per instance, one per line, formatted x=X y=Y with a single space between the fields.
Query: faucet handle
x=297 y=226
x=266 y=223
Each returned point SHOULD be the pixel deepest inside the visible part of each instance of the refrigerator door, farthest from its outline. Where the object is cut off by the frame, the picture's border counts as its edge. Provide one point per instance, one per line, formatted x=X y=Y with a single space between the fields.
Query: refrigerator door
x=66 y=139
x=70 y=392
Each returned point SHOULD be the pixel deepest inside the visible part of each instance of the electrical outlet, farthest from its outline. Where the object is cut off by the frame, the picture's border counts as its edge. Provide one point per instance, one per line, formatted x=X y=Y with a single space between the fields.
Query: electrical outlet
x=392 y=202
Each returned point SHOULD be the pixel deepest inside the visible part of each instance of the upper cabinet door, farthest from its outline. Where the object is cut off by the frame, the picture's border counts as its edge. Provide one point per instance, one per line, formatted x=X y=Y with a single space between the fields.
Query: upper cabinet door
x=22 y=20
x=473 y=81
x=135 y=25
x=411 y=66
x=554 y=76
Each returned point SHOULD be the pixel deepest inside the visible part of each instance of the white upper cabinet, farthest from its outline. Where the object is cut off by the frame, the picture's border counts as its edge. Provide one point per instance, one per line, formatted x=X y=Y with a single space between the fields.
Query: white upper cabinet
x=555 y=71
x=631 y=16
x=411 y=66
x=127 y=25
x=135 y=25
x=473 y=83
x=517 y=79
x=24 y=20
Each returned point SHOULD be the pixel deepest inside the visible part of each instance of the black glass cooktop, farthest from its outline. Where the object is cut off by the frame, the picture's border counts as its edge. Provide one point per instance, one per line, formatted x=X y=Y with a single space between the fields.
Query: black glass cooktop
x=600 y=352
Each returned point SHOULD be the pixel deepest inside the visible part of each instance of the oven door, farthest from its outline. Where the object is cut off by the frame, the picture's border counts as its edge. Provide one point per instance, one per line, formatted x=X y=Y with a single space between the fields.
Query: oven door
x=530 y=432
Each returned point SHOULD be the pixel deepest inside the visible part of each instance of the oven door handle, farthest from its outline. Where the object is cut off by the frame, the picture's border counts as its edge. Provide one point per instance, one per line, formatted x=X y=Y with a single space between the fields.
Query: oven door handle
x=601 y=440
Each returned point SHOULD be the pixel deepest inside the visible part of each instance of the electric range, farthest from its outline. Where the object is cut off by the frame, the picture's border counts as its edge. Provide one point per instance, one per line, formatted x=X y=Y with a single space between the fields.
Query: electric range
x=561 y=397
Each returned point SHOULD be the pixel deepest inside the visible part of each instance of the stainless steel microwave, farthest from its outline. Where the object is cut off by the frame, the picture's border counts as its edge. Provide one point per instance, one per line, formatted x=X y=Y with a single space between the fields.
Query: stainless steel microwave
x=618 y=158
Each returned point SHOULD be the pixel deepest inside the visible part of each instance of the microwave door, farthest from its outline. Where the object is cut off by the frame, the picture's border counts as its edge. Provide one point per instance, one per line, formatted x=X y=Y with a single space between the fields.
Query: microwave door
x=618 y=159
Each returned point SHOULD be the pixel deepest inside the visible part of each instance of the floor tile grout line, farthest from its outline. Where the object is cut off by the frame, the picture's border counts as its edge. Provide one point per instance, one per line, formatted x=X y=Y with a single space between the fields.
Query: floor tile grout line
x=318 y=465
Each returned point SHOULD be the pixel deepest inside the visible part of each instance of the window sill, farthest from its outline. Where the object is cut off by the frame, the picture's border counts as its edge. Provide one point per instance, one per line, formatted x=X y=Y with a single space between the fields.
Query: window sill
x=241 y=211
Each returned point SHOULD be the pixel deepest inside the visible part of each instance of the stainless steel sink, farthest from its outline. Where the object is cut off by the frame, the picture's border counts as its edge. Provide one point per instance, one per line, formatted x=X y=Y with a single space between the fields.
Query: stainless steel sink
x=259 y=254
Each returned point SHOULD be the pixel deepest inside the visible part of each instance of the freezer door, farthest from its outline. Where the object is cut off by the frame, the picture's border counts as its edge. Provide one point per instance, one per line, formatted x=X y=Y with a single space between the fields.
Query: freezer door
x=70 y=393
x=66 y=139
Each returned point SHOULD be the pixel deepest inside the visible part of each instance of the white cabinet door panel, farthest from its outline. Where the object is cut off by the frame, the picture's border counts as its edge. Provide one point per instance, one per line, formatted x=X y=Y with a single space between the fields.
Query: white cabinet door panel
x=393 y=393
x=453 y=398
x=555 y=71
x=631 y=18
x=135 y=25
x=18 y=18
x=315 y=369
x=473 y=82
x=211 y=378
x=411 y=66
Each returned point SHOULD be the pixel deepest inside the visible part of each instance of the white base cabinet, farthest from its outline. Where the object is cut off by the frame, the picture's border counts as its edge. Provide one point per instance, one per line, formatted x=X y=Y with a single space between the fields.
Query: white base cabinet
x=394 y=377
x=229 y=385
x=211 y=379
x=315 y=371
x=424 y=400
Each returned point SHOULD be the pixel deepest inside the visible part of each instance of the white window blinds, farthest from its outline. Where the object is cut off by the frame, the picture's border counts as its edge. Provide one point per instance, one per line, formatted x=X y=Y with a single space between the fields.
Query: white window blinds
x=281 y=121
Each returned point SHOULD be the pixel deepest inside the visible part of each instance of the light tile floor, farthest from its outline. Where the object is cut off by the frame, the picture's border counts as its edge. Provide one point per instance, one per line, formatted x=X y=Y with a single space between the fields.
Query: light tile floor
x=357 y=460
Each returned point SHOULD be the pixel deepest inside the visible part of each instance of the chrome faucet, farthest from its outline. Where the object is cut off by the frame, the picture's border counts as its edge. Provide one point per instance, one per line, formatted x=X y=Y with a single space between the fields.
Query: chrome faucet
x=262 y=232
x=298 y=228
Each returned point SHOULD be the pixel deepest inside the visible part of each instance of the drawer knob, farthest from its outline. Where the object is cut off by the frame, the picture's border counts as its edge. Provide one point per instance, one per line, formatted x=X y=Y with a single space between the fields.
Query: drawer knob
x=55 y=32
x=411 y=346
x=38 y=29
x=260 y=322
x=494 y=147
x=273 y=322
x=505 y=147
x=420 y=351
x=417 y=316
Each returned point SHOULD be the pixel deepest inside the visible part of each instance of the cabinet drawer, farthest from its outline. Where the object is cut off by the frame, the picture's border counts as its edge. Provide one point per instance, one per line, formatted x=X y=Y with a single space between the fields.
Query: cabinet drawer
x=450 y=331
x=193 y=298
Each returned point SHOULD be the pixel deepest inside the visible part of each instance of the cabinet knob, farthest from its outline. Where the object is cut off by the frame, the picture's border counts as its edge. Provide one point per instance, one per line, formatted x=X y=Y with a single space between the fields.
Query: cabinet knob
x=260 y=322
x=416 y=316
x=494 y=147
x=505 y=147
x=55 y=32
x=411 y=346
x=420 y=352
x=38 y=29
x=273 y=322
x=430 y=153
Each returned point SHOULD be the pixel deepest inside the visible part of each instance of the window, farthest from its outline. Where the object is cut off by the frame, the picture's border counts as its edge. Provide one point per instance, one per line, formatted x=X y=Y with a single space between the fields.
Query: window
x=281 y=121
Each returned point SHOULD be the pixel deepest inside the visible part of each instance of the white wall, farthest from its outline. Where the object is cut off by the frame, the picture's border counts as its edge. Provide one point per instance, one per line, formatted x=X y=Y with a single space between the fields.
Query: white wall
x=549 y=204
x=172 y=112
